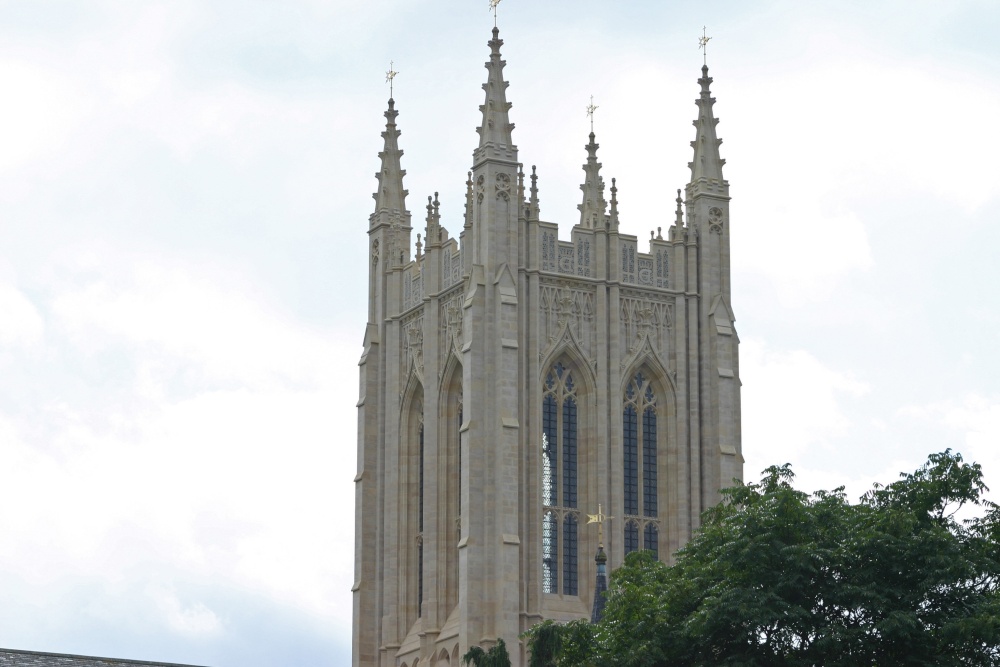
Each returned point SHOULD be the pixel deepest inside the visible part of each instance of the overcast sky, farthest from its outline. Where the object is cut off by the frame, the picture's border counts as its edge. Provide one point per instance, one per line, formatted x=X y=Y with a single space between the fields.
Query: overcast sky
x=184 y=195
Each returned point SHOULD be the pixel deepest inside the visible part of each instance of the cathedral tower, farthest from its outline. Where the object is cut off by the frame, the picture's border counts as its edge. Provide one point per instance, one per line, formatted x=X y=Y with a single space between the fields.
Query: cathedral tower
x=511 y=382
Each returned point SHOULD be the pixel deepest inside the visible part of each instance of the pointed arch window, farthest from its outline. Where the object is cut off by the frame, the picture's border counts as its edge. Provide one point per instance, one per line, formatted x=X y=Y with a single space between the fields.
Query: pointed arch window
x=560 y=424
x=639 y=437
x=420 y=521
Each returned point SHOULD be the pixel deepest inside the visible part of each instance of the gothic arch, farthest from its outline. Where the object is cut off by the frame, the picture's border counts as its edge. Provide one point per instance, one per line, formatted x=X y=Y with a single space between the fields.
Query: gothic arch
x=412 y=498
x=449 y=486
x=443 y=659
x=568 y=347
x=647 y=358
x=667 y=469
x=566 y=467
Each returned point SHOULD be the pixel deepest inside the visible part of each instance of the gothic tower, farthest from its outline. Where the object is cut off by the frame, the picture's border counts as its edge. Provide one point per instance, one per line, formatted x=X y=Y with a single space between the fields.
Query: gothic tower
x=511 y=382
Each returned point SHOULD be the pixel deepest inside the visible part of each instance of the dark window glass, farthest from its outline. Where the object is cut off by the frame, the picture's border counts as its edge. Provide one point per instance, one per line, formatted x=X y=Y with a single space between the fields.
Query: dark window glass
x=649 y=462
x=631 y=537
x=569 y=452
x=549 y=440
x=569 y=556
x=650 y=535
x=631 y=461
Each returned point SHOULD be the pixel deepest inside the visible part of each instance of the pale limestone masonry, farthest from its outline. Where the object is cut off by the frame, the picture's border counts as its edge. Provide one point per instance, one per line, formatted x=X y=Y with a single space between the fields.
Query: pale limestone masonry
x=511 y=382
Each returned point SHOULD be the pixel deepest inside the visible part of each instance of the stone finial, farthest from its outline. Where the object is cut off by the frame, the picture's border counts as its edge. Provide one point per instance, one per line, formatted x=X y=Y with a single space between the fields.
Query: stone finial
x=419 y=248
x=594 y=207
x=533 y=213
x=390 y=195
x=613 y=218
x=706 y=165
x=496 y=128
x=468 y=202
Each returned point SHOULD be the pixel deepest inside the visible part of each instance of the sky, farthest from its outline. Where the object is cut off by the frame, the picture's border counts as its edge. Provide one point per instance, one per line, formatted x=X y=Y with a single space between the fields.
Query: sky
x=184 y=195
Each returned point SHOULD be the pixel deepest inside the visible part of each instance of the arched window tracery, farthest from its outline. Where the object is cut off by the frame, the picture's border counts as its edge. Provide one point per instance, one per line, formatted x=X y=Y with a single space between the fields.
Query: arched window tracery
x=560 y=454
x=639 y=439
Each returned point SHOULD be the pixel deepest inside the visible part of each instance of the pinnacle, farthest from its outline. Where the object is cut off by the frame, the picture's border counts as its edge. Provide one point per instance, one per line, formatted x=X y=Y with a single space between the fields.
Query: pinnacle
x=390 y=196
x=495 y=130
x=593 y=207
x=707 y=164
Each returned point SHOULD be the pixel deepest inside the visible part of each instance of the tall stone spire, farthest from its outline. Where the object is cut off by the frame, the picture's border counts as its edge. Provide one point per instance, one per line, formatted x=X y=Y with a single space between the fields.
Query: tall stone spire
x=706 y=167
x=495 y=131
x=390 y=198
x=593 y=207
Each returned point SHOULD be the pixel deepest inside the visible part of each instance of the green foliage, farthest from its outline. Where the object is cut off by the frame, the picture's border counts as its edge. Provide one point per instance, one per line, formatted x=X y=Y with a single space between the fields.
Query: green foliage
x=779 y=577
x=497 y=656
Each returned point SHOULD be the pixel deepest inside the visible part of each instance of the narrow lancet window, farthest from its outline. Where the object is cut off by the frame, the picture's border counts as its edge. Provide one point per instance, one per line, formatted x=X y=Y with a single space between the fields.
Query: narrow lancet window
x=639 y=440
x=560 y=453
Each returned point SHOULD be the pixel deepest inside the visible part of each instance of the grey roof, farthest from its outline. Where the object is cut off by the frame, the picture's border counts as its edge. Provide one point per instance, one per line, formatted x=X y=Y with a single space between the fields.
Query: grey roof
x=14 y=658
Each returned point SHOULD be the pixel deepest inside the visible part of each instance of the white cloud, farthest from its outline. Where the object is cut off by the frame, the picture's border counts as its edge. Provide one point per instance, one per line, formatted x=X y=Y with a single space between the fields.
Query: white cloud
x=20 y=322
x=973 y=421
x=195 y=619
x=791 y=403
x=218 y=453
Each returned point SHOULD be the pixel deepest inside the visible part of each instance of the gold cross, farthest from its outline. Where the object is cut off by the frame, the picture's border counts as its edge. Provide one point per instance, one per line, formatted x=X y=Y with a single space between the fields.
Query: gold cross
x=599 y=519
x=389 y=76
x=590 y=112
x=703 y=44
x=493 y=6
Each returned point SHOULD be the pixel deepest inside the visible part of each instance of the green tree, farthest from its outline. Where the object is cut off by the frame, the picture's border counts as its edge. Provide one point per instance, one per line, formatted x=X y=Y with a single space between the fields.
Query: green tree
x=497 y=656
x=779 y=577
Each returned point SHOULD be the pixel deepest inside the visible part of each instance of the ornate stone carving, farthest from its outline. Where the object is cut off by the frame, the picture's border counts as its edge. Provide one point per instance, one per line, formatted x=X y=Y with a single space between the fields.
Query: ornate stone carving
x=715 y=219
x=644 y=318
x=411 y=331
x=503 y=186
x=569 y=307
x=480 y=188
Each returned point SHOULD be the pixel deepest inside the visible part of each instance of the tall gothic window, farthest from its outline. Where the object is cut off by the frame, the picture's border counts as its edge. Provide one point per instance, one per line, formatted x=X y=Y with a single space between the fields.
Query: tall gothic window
x=420 y=524
x=559 y=483
x=639 y=440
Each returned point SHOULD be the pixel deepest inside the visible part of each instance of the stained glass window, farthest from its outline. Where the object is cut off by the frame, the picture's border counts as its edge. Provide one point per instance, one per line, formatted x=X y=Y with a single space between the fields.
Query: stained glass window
x=639 y=443
x=550 y=539
x=560 y=454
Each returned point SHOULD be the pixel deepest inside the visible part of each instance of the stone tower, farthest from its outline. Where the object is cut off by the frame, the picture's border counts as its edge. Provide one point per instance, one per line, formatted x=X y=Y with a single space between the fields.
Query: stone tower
x=512 y=381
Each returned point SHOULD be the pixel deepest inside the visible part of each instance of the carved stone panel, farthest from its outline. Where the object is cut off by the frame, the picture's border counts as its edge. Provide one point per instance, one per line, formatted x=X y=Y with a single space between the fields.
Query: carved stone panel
x=548 y=250
x=642 y=317
x=450 y=324
x=566 y=306
x=412 y=338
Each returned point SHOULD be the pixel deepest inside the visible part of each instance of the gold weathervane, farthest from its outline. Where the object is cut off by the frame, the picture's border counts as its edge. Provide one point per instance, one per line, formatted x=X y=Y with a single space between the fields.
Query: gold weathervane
x=389 y=76
x=493 y=7
x=703 y=44
x=590 y=113
x=599 y=519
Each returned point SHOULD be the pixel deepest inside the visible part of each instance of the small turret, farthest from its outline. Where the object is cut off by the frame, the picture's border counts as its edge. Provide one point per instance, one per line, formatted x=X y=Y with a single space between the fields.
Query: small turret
x=613 y=217
x=593 y=207
x=433 y=236
x=533 y=210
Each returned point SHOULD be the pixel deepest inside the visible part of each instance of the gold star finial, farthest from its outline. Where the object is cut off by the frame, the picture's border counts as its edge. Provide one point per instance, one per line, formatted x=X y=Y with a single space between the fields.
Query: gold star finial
x=493 y=6
x=599 y=519
x=389 y=76
x=591 y=108
x=703 y=44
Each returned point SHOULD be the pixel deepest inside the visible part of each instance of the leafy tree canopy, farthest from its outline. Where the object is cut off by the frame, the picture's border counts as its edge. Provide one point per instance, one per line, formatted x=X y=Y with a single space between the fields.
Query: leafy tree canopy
x=497 y=656
x=777 y=577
